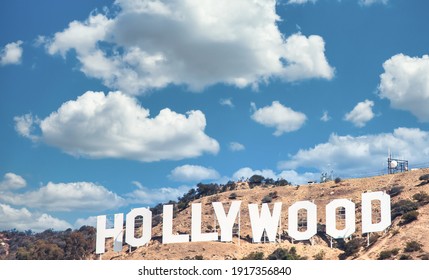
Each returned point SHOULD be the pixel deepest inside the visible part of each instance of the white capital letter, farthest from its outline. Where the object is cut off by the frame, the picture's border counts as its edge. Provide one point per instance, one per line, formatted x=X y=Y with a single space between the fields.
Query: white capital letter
x=311 y=220
x=386 y=219
x=226 y=222
x=167 y=228
x=196 y=226
x=116 y=232
x=331 y=221
x=147 y=227
x=264 y=221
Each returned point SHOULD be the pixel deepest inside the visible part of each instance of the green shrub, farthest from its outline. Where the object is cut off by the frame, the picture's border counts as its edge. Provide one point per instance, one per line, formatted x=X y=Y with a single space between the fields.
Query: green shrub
x=281 y=182
x=403 y=206
x=254 y=256
x=405 y=257
x=424 y=177
x=284 y=254
x=267 y=199
x=384 y=255
x=320 y=255
x=409 y=217
x=273 y=195
x=395 y=191
x=412 y=246
x=232 y=196
x=422 y=198
x=351 y=248
x=337 y=180
x=256 y=180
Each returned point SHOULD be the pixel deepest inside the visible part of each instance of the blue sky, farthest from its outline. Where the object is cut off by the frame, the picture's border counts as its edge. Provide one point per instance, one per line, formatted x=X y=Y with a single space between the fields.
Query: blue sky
x=105 y=105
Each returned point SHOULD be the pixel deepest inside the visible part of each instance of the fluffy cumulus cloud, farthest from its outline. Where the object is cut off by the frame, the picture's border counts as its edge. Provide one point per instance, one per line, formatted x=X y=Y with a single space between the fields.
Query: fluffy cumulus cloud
x=83 y=196
x=116 y=126
x=193 y=173
x=146 y=196
x=22 y=219
x=282 y=118
x=290 y=175
x=151 y=44
x=11 y=53
x=11 y=182
x=351 y=156
x=361 y=113
x=405 y=83
x=236 y=146
x=89 y=221
x=371 y=2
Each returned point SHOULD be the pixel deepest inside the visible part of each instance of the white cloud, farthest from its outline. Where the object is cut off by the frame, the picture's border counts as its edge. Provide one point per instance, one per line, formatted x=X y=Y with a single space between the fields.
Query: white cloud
x=150 y=197
x=296 y=178
x=81 y=36
x=151 y=44
x=90 y=221
x=78 y=196
x=116 y=126
x=370 y=2
x=22 y=219
x=305 y=58
x=361 y=113
x=284 y=119
x=193 y=173
x=325 y=117
x=405 y=82
x=349 y=155
x=11 y=182
x=247 y=172
x=235 y=146
x=290 y=175
x=11 y=53
x=226 y=102
x=25 y=124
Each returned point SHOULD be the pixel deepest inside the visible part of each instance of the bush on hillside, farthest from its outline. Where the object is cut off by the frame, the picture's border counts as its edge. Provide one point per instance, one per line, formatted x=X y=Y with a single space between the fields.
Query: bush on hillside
x=267 y=199
x=254 y=256
x=284 y=254
x=403 y=206
x=412 y=246
x=422 y=198
x=409 y=217
x=387 y=254
x=351 y=248
x=395 y=191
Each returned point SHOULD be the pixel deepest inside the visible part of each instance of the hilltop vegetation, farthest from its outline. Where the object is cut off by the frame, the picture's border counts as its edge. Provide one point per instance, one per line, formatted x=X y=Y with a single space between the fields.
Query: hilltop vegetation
x=48 y=245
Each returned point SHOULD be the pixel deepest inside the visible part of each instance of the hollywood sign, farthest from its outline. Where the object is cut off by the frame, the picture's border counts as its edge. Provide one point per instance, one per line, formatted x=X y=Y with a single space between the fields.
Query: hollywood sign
x=260 y=220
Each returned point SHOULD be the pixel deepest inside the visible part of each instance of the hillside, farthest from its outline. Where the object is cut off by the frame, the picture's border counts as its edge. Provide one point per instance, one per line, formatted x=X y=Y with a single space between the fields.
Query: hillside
x=406 y=238
x=391 y=244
